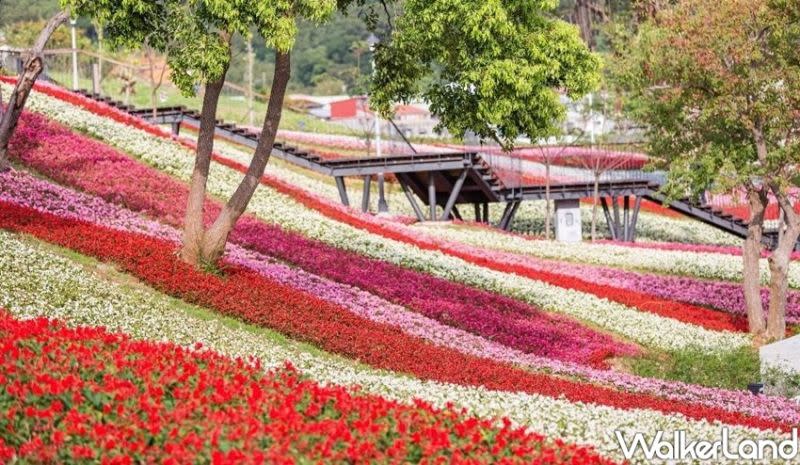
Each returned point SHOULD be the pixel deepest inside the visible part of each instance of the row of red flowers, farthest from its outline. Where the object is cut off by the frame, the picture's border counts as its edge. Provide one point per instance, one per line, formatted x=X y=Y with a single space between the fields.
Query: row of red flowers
x=253 y=298
x=688 y=313
x=74 y=395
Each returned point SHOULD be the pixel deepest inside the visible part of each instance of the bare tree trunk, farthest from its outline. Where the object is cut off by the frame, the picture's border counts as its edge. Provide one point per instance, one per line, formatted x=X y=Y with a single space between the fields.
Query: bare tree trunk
x=30 y=72
x=779 y=269
x=155 y=84
x=751 y=257
x=547 y=217
x=193 y=227
x=217 y=235
x=595 y=200
x=250 y=59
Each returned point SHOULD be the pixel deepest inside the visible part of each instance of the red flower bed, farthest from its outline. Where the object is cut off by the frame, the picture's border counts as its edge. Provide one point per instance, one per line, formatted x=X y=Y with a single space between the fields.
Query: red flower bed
x=253 y=298
x=77 y=395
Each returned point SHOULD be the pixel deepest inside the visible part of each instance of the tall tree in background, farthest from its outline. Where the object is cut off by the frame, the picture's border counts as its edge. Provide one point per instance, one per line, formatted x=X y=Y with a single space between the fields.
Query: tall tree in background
x=586 y=14
x=718 y=84
x=196 y=38
x=34 y=64
x=500 y=79
x=499 y=66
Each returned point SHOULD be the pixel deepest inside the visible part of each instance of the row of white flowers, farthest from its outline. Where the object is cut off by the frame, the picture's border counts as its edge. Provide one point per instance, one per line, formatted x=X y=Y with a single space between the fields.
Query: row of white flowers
x=708 y=265
x=36 y=281
x=171 y=157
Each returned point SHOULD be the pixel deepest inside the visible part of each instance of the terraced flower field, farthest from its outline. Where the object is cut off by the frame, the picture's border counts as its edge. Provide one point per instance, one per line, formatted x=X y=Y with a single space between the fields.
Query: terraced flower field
x=403 y=341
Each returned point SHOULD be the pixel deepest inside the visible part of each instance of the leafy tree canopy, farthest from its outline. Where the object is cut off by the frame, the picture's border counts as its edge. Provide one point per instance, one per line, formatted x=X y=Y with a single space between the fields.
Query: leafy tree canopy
x=13 y=11
x=498 y=65
x=714 y=80
x=195 y=35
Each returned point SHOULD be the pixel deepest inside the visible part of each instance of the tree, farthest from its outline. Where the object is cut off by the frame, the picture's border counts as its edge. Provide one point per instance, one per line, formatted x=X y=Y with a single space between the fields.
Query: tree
x=155 y=75
x=196 y=37
x=718 y=84
x=33 y=66
x=499 y=67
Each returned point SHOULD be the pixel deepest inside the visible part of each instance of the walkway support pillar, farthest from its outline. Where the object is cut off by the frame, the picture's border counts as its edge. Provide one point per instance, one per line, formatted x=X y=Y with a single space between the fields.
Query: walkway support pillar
x=611 y=226
x=451 y=201
x=508 y=214
x=486 y=212
x=617 y=229
x=477 y=212
x=365 y=194
x=625 y=208
x=432 y=195
x=342 y=191
x=410 y=196
x=383 y=207
x=176 y=128
x=634 y=217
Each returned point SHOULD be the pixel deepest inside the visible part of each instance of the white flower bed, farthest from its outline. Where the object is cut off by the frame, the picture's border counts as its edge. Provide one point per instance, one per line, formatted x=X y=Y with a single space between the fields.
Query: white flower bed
x=682 y=263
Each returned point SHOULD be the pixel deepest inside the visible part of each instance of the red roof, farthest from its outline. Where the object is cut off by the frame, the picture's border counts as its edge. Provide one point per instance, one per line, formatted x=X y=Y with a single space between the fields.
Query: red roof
x=409 y=110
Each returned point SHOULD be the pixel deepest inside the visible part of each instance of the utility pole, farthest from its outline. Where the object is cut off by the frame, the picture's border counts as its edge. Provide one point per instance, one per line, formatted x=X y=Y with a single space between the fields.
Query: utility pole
x=383 y=207
x=250 y=59
x=72 y=24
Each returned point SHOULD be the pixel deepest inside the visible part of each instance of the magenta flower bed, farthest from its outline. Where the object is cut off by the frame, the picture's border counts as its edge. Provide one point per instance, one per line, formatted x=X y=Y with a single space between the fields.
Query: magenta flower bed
x=93 y=167
x=721 y=295
x=25 y=190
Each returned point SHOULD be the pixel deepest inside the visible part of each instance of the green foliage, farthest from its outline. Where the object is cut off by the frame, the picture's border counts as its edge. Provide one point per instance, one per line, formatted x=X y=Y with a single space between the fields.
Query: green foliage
x=498 y=66
x=13 y=11
x=707 y=77
x=492 y=67
x=731 y=370
x=24 y=33
x=196 y=35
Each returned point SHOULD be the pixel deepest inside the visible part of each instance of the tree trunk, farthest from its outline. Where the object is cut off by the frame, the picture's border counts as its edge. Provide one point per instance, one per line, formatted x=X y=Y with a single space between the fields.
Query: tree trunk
x=547 y=217
x=583 y=19
x=217 y=235
x=30 y=72
x=595 y=200
x=779 y=269
x=193 y=227
x=751 y=257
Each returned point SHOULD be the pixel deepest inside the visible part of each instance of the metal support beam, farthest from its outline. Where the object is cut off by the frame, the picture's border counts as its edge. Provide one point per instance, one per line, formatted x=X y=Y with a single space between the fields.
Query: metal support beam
x=625 y=208
x=635 y=217
x=451 y=201
x=486 y=212
x=342 y=191
x=176 y=128
x=432 y=195
x=608 y=218
x=410 y=197
x=477 y=212
x=456 y=213
x=365 y=194
x=383 y=207
x=617 y=229
x=508 y=214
